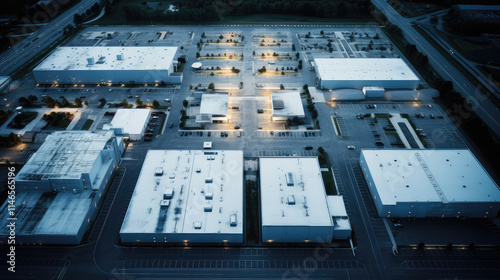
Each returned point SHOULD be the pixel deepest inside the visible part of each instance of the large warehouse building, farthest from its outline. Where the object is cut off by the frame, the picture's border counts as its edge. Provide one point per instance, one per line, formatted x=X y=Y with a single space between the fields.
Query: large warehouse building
x=109 y=65
x=294 y=206
x=429 y=183
x=58 y=190
x=130 y=123
x=391 y=73
x=187 y=197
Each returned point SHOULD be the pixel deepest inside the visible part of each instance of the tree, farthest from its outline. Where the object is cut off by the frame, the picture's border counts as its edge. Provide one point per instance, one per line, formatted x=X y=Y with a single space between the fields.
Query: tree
x=203 y=35
x=314 y=114
x=156 y=104
x=86 y=103
x=185 y=103
x=32 y=99
x=282 y=86
x=197 y=54
x=64 y=102
x=78 y=102
x=322 y=32
x=139 y=102
x=321 y=150
x=293 y=47
x=297 y=55
x=211 y=86
x=125 y=102
x=23 y=101
x=77 y=19
x=13 y=139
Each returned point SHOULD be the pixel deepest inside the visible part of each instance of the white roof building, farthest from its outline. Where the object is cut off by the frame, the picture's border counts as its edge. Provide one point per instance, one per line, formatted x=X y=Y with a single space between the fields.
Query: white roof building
x=187 y=196
x=429 y=183
x=130 y=123
x=392 y=73
x=213 y=108
x=341 y=224
x=70 y=160
x=77 y=65
x=293 y=201
x=58 y=190
x=287 y=105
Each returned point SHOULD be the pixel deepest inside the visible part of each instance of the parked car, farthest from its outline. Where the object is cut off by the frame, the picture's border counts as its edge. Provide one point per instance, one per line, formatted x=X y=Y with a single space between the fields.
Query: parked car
x=309 y=147
x=351 y=147
x=171 y=125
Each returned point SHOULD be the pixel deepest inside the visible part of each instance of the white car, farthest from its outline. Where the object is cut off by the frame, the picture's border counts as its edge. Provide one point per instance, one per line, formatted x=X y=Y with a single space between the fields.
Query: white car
x=351 y=147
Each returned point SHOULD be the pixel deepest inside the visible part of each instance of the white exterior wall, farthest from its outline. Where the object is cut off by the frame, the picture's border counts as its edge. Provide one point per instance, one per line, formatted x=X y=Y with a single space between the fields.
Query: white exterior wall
x=295 y=234
x=422 y=209
x=180 y=237
x=342 y=233
x=392 y=84
x=106 y=76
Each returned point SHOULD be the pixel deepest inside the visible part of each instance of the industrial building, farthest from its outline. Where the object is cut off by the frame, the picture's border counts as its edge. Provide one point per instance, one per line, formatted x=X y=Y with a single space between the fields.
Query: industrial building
x=187 y=196
x=294 y=204
x=59 y=188
x=341 y=223
x=130 y=123
x=429 y=183
x=213 y=108
x=392 y=73
x=109 y=65
x=286 y=105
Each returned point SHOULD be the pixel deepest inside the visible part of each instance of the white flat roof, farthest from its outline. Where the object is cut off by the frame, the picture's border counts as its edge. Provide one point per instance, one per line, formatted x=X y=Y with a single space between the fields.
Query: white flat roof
x=40 y=213
x=132 y=121
x=214 y=104
x=336 y=206
x=186 y=172
x=105 y=58
x=363 y=69
x=308 y=191
x=291 y=101
x=400 y=176
x=65 y=155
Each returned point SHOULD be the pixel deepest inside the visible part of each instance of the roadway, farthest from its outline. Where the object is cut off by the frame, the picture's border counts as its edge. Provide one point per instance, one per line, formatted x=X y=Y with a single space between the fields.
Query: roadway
x=481 y=104
x=23 y=52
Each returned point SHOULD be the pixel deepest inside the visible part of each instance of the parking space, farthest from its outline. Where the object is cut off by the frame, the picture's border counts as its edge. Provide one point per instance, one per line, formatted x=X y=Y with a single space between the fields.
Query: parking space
x=240 y=264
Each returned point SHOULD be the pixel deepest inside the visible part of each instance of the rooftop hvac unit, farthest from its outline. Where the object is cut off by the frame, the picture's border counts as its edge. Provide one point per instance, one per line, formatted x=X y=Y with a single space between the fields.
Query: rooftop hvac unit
x=159 y=171
x=90 y=61
x=168 y=194
x=198 y=170
x=119 y=56
x=209 y=180
x=291 y=200
x=289 y=179
x=233 y=221
x=164 y=203
x=208 y=207
x=197 y=225
x=209 y=195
